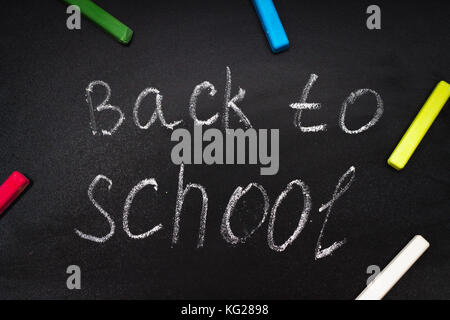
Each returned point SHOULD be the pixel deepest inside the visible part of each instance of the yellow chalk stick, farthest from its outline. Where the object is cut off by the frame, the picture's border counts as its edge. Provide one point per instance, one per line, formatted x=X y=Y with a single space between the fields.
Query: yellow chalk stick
x=420 y=126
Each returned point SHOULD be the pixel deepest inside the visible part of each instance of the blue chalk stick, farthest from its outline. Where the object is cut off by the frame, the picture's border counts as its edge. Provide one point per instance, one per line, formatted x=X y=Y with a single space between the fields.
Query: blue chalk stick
x=271 y=24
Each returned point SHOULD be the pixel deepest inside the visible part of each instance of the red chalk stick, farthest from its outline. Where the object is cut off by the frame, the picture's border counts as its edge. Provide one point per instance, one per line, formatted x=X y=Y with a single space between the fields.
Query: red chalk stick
x=11 y=189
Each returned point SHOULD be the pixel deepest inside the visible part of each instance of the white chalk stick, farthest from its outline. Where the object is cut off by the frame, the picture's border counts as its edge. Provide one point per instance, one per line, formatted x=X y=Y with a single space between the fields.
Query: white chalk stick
x=390 y=275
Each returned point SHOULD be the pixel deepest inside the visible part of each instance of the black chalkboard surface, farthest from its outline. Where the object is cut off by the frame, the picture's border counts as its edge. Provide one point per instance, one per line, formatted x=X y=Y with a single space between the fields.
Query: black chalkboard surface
x=45 y=133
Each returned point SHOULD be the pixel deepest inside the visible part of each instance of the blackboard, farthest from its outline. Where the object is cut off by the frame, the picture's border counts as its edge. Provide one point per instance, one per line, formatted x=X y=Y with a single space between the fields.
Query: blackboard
x=45 y=134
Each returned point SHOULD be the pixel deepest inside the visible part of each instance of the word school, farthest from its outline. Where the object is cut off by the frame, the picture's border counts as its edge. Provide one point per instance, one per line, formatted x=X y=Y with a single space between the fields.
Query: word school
x=227 y=233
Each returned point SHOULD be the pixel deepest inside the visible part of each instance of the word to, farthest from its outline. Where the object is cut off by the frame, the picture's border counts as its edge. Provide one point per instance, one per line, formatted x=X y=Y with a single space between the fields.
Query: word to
x=390 y=275
x=213 y=153
x=420 y=126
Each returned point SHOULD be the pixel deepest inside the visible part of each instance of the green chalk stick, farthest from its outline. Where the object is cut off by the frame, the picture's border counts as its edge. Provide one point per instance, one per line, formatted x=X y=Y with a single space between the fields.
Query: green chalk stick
x=103 y=19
